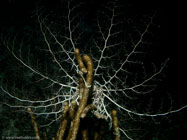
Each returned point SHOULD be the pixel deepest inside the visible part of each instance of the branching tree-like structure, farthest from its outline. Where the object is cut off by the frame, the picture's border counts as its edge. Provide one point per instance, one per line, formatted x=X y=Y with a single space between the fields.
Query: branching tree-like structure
x=120 y=76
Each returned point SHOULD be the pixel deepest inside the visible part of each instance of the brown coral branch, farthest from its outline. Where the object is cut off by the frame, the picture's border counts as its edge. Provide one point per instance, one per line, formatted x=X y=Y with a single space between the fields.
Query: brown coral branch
x=82 y=71
x=115 y=125
x=84 y=134
x=63 y=123
x=82 y=68
x=89 y=63
x=87 y=109
x=81 y=85
x=83 y=101
x=72 y=110
x=71 y=115
x=35 y=125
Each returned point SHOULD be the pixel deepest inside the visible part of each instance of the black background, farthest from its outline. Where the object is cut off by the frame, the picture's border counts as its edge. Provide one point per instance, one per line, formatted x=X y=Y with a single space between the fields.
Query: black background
x=172 y=34
x=16 y=14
